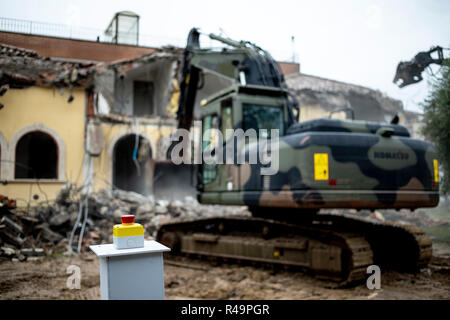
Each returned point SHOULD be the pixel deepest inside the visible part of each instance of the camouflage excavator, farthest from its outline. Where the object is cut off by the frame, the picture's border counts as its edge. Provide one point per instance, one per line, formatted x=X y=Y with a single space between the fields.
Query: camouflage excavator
x=323 y=163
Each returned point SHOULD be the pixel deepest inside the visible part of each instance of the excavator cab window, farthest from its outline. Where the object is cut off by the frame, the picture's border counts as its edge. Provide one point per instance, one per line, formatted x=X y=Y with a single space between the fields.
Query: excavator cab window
x=262 y=117
x=209 y=136
x=226 y=116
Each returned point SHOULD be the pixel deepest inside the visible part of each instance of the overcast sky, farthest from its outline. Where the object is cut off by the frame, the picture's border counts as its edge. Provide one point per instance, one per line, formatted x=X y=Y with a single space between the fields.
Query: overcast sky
x=356 y=41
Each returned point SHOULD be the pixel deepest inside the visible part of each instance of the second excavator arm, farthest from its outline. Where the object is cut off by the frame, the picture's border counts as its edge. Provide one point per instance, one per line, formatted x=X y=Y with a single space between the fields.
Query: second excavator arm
x=409 y=72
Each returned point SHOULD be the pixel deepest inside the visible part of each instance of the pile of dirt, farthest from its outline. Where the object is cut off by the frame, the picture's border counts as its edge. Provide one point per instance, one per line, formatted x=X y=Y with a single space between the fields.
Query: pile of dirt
x=417 y=217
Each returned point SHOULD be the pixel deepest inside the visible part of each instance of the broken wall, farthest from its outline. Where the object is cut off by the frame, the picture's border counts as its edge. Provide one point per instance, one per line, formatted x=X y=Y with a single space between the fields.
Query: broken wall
x=121 y=86
x=117 y=85
x=319 y=97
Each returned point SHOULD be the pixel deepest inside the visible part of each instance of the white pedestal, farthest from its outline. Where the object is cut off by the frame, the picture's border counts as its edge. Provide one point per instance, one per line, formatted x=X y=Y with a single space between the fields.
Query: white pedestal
x=131 y=274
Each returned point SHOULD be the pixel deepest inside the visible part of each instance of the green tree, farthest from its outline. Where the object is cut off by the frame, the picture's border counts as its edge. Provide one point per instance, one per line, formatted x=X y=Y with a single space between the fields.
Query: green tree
x=436 y=121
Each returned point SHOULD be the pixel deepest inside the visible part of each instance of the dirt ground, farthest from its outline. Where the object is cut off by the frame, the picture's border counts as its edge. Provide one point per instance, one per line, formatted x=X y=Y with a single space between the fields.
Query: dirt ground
x=46 y=278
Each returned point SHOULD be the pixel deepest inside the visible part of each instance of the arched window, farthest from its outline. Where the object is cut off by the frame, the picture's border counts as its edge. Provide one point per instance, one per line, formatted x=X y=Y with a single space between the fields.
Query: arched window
x=36 y=157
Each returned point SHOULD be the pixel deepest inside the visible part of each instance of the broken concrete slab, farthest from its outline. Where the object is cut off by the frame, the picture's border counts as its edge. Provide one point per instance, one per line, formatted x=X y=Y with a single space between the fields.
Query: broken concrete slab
x=32 y=252
x=60 y=219
x=49 y=235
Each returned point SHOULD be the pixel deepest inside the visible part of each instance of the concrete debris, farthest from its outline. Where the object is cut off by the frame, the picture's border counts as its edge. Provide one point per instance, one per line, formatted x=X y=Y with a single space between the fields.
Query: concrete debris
x=379 y=216
x=5 y=202
x=60 y=219
x=12 y=51
x=33 y=252
x=48 y=235
x=418 y=217
x=130 y=197
x=45 y=230
x=64 y=194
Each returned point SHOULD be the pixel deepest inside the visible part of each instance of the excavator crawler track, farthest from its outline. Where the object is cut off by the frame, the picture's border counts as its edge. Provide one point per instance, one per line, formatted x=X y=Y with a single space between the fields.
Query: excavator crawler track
x=335 y=247
x=397 y=246
x=337 y=256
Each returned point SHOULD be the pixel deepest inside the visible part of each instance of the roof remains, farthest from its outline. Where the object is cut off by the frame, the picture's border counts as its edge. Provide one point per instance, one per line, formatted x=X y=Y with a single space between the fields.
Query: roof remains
x=22 y=68
x=334 y=95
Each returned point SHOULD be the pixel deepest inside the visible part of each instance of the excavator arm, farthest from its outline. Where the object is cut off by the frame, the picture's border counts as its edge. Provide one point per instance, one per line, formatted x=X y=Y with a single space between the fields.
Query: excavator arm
x=243 y=62
x=189 y=83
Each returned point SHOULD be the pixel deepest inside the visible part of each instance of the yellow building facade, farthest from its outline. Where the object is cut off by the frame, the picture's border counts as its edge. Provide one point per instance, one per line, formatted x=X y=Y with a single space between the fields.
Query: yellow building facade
x=44 y=110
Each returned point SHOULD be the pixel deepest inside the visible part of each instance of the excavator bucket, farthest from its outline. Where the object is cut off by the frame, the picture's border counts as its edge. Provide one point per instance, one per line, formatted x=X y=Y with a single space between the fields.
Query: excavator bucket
x=409 y=72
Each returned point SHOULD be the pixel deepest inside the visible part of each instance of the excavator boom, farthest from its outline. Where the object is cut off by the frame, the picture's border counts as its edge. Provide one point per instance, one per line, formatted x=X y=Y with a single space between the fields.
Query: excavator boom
x=244 y=63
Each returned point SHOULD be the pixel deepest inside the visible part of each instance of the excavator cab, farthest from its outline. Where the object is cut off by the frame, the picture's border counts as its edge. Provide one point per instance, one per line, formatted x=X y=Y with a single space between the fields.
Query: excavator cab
x=253 y=112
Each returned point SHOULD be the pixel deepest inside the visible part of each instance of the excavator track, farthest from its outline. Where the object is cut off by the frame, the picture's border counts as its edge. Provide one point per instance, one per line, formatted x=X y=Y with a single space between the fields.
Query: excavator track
x=397 y=246
x=336 y=247
x=337 y=256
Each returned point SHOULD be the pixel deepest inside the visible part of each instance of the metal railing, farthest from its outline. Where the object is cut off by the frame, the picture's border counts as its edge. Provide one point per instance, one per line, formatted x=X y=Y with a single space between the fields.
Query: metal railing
x=79 y=33
x=92 y=34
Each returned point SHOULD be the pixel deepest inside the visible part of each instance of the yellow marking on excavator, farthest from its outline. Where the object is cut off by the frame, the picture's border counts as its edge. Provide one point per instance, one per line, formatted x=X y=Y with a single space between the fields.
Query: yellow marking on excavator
x=321 y=166
x=436 y=170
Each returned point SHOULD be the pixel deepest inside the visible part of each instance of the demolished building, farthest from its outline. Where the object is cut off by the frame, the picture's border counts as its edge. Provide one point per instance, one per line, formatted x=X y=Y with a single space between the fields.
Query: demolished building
x=109 y=110
x=40 y=97
x=326 y=98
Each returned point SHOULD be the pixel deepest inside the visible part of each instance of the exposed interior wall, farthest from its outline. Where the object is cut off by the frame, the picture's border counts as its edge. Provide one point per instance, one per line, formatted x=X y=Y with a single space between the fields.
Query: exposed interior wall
x=158 y=73
x=48 y=109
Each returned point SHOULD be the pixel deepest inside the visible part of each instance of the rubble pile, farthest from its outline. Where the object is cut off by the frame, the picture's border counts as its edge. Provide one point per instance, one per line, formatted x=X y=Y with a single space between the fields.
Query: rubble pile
x=417 y=217
x=46 y=230
x=29 y=233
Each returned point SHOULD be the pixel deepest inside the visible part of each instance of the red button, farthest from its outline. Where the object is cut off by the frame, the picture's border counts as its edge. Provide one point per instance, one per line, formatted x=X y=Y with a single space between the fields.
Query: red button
x=127 y=219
